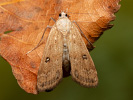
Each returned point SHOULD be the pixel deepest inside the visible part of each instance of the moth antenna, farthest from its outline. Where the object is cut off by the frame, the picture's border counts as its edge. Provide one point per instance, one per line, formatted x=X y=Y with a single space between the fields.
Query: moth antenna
x=81 y=13
x=84 y=34
x=49 y=14
x=83 y=21
x=66 y=10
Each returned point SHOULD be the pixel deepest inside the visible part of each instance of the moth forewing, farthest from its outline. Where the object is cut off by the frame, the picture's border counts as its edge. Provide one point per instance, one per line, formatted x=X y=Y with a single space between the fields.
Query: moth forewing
x=82 y=67
x=50 y=70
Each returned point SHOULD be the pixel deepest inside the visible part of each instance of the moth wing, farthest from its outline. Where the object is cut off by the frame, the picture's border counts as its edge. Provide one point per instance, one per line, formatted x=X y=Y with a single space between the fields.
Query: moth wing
x=82 y=67
x=50 y=70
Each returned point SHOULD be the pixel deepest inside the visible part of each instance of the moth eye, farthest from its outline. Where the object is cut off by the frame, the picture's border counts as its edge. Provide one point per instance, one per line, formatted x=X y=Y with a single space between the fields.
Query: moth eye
x=60 y=15
x=66 y=15
x=47 y=59
x=84 y=57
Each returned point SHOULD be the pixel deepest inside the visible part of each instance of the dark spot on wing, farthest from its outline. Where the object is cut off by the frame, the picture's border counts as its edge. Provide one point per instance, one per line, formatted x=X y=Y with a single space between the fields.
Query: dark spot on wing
x=47 y=59
x=84 y=56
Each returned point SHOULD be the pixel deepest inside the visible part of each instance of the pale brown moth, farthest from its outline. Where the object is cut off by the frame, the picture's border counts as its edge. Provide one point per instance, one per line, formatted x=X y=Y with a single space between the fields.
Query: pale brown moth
x=65 y=53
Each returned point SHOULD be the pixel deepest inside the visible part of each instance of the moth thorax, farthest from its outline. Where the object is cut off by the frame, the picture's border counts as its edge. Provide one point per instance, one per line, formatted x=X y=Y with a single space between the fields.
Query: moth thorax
x=63 y=24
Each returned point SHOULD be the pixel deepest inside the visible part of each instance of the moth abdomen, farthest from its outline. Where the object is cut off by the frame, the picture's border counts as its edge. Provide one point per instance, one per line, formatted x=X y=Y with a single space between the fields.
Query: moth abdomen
x=65 y=58
x=66 y=68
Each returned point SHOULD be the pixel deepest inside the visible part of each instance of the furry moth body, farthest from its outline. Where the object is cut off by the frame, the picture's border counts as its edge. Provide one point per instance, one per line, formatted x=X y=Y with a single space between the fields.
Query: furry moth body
x=65 y=47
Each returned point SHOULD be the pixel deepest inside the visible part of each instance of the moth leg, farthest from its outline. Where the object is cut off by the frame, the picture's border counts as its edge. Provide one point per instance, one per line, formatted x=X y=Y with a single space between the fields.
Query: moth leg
x=92 y=47
x=40 y=40
x=52 y=19
x=42 y=35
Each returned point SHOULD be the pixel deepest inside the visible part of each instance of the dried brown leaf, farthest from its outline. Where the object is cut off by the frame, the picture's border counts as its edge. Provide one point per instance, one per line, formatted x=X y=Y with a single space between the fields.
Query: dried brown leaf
x=26 y=21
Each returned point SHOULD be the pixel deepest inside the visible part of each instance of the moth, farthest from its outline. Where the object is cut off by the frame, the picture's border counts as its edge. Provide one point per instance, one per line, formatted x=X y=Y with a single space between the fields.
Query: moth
x=65 y=53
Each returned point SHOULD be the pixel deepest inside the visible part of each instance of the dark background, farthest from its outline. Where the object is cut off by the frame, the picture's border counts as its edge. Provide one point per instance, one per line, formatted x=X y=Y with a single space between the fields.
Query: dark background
x=113 y=57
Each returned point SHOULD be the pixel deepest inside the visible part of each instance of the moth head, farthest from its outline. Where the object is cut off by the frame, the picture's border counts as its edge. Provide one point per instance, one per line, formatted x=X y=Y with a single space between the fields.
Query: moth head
x=63 y=15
